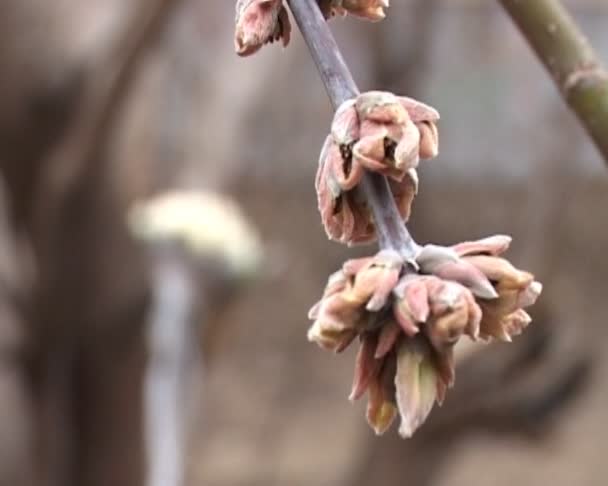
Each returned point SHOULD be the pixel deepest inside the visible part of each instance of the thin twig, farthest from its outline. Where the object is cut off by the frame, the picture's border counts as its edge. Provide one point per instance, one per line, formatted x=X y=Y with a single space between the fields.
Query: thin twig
x=340 y=87
x=571 y=61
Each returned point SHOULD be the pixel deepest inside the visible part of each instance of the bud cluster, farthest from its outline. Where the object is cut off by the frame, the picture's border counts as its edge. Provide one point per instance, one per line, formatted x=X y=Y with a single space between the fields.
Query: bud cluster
x=260 y=22
x=409 y=322
x=408 y=306
x=377 y=132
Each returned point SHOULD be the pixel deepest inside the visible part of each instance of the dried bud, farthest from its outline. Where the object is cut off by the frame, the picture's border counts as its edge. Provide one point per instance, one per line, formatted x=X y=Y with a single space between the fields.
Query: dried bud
x=259 y=22
x=389 y=141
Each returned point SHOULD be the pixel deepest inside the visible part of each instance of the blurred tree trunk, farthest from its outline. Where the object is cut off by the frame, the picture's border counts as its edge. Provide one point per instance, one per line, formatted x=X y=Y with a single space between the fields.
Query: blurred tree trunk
x=65 y=68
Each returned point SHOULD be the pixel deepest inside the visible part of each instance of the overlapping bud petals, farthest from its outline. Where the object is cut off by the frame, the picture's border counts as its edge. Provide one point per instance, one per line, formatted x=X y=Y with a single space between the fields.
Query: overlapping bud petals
x=416 y=384
x=378 y=132
x=501 y=290
x=362 y=287
x=366 y=9
x=444 y=311
x=260 y=22
x=409 y=322
x=381 y=402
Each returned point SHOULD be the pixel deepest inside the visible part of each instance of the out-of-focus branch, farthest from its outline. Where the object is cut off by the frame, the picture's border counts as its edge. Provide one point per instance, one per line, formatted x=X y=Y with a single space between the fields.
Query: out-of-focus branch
x=174 y=368
x=570 y=60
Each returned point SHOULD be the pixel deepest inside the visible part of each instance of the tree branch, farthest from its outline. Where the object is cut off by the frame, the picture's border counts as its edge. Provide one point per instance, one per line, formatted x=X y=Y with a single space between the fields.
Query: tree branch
x=570 y=60
x=340 y=87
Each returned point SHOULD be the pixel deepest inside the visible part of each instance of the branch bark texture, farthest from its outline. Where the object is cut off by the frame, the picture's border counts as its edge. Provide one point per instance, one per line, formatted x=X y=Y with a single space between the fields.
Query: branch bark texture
x=570 y=59
x=340 y=86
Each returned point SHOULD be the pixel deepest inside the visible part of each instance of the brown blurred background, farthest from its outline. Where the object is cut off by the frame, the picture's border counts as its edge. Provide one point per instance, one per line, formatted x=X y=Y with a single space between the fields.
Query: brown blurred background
x=105 y=104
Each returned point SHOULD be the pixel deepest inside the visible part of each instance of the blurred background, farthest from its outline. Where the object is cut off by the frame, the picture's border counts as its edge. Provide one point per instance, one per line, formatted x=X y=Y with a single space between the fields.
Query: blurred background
x=160 y=249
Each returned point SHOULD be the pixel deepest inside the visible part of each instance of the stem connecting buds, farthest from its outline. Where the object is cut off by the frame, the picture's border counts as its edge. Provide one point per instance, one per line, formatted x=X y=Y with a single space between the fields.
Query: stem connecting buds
x=379 y=132
x=408 y=323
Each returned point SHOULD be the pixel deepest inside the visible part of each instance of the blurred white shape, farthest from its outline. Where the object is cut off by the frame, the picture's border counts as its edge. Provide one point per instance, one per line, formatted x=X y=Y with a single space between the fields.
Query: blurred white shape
x=210 y=225
x=212 y=229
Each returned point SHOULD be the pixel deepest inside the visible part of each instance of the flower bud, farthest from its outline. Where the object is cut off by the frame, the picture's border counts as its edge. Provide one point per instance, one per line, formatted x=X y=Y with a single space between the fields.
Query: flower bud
x=445 y=263
x=381 y=405
x=372 y=132
x=352 y=299
x=416 y=383
x=259 y=22
x=367 y=366
x=450 y=315
x=516 y=289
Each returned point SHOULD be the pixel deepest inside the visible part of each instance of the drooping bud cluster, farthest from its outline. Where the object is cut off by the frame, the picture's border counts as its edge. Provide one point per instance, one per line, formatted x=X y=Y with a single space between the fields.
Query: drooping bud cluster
x=377 y=132
x=408 y=308
x=260 y=22
x=409 y=322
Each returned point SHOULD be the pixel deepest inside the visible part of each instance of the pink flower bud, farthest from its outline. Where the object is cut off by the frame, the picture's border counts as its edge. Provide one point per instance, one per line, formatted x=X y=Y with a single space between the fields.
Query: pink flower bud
x=372 y=132
x=259 y=22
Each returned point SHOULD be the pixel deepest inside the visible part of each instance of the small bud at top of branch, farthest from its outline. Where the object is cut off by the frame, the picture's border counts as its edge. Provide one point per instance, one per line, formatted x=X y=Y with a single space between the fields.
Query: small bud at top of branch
x=260 y=22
